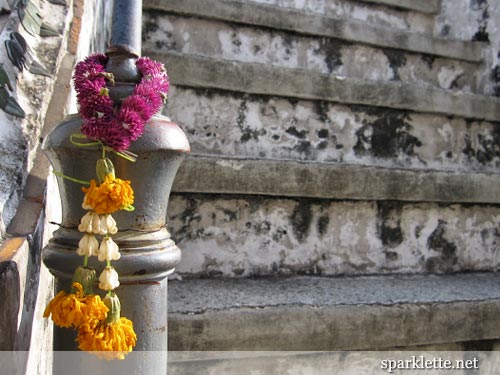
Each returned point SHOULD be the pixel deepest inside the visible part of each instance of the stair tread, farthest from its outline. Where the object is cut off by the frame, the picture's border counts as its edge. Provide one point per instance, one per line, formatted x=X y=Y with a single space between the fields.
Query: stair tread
x=225 y=175
x=264 y=15
x=246 y=43
x=193 y=296
x=317 y=313
x=254 y=78
x=424 y=6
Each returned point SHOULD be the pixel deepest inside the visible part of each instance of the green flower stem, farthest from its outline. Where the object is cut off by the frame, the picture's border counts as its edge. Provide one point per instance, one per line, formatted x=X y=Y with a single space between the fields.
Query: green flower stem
x=85 y=260
x=130 y=156
x=57 y=173
x=80 y=144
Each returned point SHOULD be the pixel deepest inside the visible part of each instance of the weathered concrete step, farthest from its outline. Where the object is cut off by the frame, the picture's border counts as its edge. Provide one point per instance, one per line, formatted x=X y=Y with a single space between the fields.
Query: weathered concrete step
x=202 y=72
x=263 y=15
x=377 y=13
x=252 y=235
x=312 y=313
x=424 y=6
x=167 y=32
x=219 y=175
x=238 y=125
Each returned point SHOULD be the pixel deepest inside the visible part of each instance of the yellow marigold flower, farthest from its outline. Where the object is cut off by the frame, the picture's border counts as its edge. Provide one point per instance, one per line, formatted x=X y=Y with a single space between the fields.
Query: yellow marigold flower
x=108 y=340
x=66 y=310
x=72 y=310
x=111 y=195
x=96 y=310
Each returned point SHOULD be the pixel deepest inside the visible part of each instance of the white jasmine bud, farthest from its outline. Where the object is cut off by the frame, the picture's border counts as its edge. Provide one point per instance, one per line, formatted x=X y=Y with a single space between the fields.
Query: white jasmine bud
x=88 y=245
x=108 y=250
x=97 y=228
x=109 y=279
x=103 y=228
x=86 y=223
x=111 y=224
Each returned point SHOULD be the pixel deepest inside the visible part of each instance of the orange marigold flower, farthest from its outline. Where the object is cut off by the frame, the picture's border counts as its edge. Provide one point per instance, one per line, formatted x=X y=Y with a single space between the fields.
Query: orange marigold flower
x=111 y=195
x=108 y=340
x=75 y=309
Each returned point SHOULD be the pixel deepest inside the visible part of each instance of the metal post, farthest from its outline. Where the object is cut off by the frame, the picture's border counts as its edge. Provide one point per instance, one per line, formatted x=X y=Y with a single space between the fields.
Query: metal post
x=125 y=45
x=126 y=26
x=148 y=253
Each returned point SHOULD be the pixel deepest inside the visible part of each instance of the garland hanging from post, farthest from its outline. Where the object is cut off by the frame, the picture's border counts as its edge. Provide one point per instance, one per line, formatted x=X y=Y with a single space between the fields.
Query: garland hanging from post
x=101 y=328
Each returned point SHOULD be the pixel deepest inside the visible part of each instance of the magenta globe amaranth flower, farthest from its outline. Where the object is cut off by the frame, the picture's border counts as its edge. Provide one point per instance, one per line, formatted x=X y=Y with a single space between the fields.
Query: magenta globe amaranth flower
x=113 y=124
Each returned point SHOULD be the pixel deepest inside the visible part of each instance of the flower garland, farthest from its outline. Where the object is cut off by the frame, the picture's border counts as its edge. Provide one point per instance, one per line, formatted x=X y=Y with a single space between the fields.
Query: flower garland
x=117 y=128
x=101 y=328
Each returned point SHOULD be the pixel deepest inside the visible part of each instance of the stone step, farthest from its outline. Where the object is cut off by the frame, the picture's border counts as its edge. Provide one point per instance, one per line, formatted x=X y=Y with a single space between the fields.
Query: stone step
x=305 y=165
x=317 y=313
x=393 y=14
x=167 y=32
x=254 y=235
x=261 y=79
x=297 y=21
x=424 y=6
x=238 y=125
x=286 y=178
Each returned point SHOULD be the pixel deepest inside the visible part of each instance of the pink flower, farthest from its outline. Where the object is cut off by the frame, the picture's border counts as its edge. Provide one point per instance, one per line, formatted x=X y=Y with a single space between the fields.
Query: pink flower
x=147 y=66
x=118 y=127
x=93 y=128
x=89 y=69
x=139 y=105
x=92 y=102
x=131 y=121
x=151 y=98
x=115 y=135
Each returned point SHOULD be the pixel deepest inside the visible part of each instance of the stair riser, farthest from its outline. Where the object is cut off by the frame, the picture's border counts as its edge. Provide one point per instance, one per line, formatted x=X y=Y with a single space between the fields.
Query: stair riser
x=250 y=236
x=170 y=33
x=231 y=124
x=371 y=12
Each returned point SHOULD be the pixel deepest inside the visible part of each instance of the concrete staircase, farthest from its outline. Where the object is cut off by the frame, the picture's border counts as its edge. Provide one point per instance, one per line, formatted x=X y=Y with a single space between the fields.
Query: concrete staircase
x=337 y=146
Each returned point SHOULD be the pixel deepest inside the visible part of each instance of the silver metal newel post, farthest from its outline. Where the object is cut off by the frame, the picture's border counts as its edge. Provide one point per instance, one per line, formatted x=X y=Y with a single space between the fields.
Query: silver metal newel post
x=148 y=253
